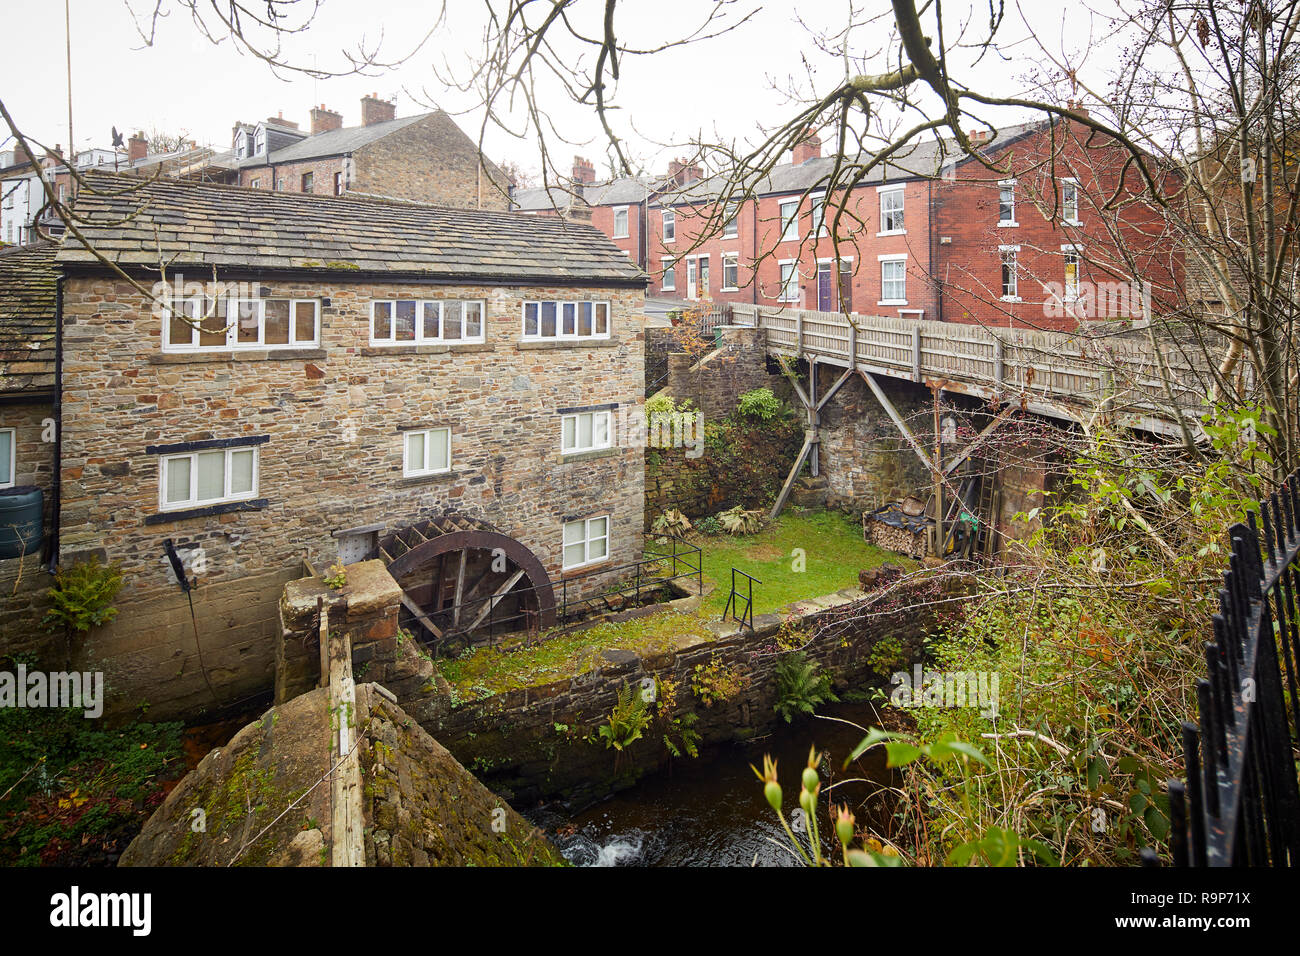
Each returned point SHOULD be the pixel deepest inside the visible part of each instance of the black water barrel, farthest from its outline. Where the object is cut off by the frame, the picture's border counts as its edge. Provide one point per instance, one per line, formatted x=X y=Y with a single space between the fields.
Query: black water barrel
x=21 y=521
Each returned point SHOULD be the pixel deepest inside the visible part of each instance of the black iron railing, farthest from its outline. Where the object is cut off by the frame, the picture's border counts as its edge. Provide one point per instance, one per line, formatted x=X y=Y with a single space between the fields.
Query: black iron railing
x=746 y=617
x=1240 y=804
x=666 y=559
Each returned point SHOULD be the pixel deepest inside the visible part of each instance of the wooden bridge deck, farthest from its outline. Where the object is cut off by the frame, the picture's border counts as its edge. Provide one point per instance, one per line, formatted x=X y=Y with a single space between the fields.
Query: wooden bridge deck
x=1071 y=376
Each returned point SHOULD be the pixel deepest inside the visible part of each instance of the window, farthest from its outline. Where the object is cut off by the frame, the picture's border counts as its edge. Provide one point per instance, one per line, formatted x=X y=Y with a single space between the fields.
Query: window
x=426 y=452
x=256 y=184
x=566 y=320
x=1007 y=202
x=201 y=478
x=8 y=468
x=670 y=225
x=201 y=322
x=1010 y=279
x=891 y=211
x=307 y=182
x=893 y=280
x=669 y=281
x=789 y=291
x=1070 y=201
x=620 y=222
x=730 y=271
x=819 y=214
x=584 y=431
x=259 y=142
x=338 y=184
x=425 y=321
x=1071 y=255
x=731 y=228
x=586 y=541
x=790 y=220
x=279 y=184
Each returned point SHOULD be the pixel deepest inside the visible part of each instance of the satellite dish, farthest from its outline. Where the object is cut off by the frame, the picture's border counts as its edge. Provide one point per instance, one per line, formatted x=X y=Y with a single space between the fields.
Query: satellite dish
x=117 y=138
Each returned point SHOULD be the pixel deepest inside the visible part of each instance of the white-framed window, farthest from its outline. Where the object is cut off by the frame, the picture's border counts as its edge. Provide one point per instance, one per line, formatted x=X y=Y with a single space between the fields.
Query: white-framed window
x=208 y=477
x=1071 y=255
x=1070 y=202
x=259 y=142
x=586 y=541
x=668 y=278
x=731 y=228
x=426 y=451
x=1010 y=273
x=730 y=271
x=255 y=184
x=891 y=211
x=893 y=280
x=818 y=201
x=201 y=323
x=8 y=457
x=1007 y=203
x=585 y=431
x=789 y=291
x=422 y=321
x=789 y=220
x=670 y=225
x=620 y=222
x=669 y=281
x=566 y=320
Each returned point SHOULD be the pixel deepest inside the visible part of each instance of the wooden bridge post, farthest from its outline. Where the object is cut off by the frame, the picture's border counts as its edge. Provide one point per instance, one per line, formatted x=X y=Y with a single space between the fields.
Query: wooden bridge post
x=999 y=360
x=916 y=353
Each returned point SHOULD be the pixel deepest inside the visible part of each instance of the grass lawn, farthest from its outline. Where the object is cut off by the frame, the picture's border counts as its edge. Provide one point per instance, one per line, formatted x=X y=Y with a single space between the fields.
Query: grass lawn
x=486 y=671
x=834 y=553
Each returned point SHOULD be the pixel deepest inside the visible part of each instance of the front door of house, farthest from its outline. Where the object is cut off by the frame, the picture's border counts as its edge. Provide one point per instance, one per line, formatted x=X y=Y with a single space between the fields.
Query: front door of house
x=691 y=287
x=704 y=277
x=824 y=287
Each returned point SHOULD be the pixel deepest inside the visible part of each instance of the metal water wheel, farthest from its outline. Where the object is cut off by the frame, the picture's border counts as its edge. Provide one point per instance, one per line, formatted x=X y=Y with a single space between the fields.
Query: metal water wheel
x=464 y=582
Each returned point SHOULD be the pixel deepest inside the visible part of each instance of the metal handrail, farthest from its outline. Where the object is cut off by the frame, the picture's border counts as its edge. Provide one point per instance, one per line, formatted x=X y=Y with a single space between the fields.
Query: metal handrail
x=746 y=618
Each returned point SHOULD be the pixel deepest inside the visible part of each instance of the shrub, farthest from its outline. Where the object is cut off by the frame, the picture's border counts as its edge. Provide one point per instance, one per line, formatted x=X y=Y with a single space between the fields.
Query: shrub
x=717 y=681
x=82 y=596
x=708 y=525
x=800 y=687
x=761 y=404
x=739 y=521
x=672 y=522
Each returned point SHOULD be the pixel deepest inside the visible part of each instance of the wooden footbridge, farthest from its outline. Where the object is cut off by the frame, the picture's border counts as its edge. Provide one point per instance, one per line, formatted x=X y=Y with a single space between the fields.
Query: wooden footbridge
x=1103 y=373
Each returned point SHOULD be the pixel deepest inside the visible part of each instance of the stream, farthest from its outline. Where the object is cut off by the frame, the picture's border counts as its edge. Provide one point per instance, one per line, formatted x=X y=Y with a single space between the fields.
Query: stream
x=710 y=811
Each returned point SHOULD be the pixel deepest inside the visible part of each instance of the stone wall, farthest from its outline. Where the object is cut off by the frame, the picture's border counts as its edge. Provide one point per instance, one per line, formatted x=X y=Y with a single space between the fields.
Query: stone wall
x=24 y=583
x=864 y=458
x=431 y=160
x=533 y=743
x=715 y=383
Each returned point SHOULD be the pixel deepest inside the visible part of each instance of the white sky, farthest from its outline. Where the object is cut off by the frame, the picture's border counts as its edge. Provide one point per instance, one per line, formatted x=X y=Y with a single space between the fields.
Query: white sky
x=184 y=82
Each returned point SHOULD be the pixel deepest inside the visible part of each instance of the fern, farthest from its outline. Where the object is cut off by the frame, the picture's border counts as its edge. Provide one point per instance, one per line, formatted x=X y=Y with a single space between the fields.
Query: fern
x=800 y=687
x=627 y=721
x=82 y=596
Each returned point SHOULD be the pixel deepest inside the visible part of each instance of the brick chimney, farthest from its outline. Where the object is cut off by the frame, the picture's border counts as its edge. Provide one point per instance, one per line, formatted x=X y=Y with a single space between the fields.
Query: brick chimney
x=583 y=171
x=978 y=136
x=810 y=147
x=137 y=148
x=683 y=173
x=374 y=110
x=279 y=120
x=323 y=120
x=1077 y=106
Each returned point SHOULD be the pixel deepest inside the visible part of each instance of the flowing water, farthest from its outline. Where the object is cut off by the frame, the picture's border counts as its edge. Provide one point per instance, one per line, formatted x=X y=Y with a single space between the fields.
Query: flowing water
x=710 y=811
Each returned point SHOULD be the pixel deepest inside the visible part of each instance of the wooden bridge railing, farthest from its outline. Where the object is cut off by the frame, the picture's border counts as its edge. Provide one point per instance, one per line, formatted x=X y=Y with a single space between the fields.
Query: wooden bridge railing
x=1068 y=373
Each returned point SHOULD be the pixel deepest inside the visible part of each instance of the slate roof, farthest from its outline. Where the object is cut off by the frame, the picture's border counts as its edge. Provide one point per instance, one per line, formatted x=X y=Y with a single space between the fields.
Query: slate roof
x=924 y=159
x=335 y=142
x=194 y=224
x=27 y=292
x=626 y=190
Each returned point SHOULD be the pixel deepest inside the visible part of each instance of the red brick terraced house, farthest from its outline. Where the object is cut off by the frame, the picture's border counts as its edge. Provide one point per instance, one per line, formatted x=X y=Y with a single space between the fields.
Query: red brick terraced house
x=361 y=371
x=930 y=234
